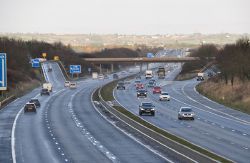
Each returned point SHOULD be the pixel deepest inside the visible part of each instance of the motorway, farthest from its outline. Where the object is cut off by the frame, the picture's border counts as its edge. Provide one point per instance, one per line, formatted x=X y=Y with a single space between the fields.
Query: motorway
x=66 y=128
x=222 y=130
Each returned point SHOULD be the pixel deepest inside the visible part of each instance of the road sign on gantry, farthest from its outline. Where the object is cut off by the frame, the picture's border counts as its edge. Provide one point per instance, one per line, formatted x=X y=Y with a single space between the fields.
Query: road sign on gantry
x=150 y=55
x=3 y=71
x=75 y=69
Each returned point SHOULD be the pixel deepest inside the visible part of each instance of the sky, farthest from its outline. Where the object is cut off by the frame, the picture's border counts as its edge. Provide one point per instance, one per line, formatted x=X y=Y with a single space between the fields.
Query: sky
x=125 y=16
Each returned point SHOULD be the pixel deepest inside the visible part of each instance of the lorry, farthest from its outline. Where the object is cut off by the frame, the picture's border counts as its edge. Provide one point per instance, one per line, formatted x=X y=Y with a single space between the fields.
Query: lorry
x=200 y=76
x=94 y=75
x=149 y=74
x=47 y=86
x=161 y=73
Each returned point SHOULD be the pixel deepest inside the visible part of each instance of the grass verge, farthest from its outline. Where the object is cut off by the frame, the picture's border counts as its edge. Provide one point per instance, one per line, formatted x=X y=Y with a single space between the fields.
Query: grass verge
x=236 y=97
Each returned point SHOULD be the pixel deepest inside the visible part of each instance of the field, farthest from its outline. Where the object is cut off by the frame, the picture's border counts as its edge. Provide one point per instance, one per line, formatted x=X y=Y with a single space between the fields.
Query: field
x=97 y=42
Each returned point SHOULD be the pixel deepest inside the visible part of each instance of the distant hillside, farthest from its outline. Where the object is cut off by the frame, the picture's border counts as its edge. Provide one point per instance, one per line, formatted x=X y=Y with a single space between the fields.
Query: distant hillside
x=97 y=42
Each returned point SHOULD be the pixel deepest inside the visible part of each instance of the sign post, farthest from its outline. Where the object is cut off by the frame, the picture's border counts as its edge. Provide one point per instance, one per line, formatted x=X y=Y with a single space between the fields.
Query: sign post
x=3 y=71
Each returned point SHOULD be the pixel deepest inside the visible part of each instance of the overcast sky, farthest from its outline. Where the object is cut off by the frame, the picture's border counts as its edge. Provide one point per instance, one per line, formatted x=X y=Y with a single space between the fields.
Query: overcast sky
x=125 y=16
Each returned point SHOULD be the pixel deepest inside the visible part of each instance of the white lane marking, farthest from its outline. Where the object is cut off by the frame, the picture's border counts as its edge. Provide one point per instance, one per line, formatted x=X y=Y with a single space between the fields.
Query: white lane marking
x=181 y=138
x=13 y=139
x=87 y=134
x=13 y=130
x=128 y=134
x=238 y=119
x=61 y=71
x=44 y=72
x=165 y=137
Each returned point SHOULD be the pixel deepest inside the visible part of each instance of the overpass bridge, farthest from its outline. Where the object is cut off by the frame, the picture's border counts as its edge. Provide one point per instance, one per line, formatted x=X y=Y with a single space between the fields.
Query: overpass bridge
x=140 y=60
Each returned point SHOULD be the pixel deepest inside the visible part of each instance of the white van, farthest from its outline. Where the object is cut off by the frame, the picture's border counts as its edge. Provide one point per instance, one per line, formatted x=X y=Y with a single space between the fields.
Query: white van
x=47 y=86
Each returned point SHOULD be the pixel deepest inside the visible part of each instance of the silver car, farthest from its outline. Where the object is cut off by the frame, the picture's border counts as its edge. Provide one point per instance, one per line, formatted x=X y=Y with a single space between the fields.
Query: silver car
x=186 y=113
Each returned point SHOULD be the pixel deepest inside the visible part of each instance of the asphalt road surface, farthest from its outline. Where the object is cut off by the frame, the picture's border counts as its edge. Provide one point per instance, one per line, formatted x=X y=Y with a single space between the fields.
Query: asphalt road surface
x=66 y=128
x=220 y=129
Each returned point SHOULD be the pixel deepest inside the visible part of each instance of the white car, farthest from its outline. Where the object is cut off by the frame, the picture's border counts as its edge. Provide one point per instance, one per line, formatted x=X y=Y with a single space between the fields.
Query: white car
x=66 y=83
x=164 y=96
x=101 y=76
x=72 y=85
x=186 y=113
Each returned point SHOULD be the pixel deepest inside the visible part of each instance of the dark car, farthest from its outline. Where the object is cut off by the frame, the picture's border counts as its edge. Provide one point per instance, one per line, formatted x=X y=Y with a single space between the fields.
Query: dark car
x=45 y=91
x=36 y=102
x=106 y=76
x=141 y=93
x=138 y=77
x=115 y=76
x=120 y=85
x=30 y=107
x=147 y=107
x=49 y=69
x=200 y=78
x=151 y=83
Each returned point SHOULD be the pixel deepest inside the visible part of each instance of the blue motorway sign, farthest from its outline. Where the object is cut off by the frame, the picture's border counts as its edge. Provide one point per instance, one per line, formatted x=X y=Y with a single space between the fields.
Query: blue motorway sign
x=150 y=55
x=75 y=69
x=3 y=72
x=35 y=63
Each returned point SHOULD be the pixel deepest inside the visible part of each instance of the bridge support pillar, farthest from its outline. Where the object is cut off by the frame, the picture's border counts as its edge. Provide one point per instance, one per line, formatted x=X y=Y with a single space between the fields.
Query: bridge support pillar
x=141 y=68
x=112 y=68
x=147 y=66
x=100 y=68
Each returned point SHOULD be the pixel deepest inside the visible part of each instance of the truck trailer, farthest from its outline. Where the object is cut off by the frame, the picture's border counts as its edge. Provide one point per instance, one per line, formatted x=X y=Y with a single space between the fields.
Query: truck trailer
x=161 y=73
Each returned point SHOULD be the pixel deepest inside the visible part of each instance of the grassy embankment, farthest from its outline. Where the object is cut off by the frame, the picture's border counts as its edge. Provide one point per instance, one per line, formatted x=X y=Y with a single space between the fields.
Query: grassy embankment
x=232 y=86
x=236 y=96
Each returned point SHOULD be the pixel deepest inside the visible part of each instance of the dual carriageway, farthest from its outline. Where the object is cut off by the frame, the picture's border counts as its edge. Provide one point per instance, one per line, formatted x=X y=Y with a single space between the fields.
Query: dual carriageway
x=68 y=128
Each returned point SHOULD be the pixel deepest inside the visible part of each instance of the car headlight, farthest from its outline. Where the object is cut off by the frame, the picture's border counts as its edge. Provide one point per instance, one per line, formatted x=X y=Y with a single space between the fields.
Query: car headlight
x=142 y=109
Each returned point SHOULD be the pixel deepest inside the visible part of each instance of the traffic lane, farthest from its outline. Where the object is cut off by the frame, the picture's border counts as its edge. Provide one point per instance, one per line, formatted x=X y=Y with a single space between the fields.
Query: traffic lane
x=208 y=113
x=123 y=148
x=198 y=132
x=55 y=77
x=70 y=139
x=220 y=140
x=30 y=130
x=7 y=116
x=239 y=140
